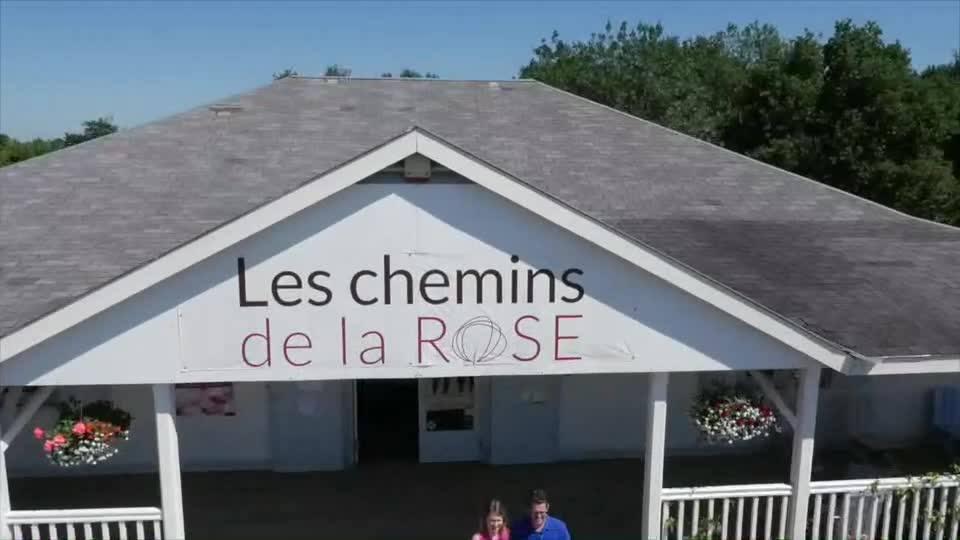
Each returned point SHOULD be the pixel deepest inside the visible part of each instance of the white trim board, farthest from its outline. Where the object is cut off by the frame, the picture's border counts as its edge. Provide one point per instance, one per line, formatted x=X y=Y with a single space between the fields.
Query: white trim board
x=455 y=159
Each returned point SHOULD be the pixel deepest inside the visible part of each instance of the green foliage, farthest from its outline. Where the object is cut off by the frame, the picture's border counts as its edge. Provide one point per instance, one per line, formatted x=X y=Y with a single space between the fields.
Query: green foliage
x=920 y=491
x=92 y=129
x=289 y=72
x=13 y=150
x=414 y=74
x=72 y=411
x=337 y=70
x=707 y=528
x=849 y=111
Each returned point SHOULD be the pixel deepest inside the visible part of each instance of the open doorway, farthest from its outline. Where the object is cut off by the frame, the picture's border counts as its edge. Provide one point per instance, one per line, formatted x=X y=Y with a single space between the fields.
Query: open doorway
x=388 y=426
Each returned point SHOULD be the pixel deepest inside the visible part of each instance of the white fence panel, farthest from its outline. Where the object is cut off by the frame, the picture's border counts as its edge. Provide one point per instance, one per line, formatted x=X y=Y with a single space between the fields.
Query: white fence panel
x=87 y=524
x=884 y=509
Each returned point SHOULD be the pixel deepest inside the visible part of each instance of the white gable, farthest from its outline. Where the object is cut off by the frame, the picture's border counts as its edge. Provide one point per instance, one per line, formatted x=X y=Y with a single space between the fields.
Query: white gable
x=329 y=263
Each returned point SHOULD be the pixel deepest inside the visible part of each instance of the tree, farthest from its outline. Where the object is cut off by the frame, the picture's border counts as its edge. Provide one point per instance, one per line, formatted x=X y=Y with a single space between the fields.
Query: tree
x=774 y=108
x=13 y=151
x=289 y=72
x=337 y=70
x=92 y=129
x=850 y=111
x=408 y=73
x=944 y=82
x=879 y=127
x=687 y=85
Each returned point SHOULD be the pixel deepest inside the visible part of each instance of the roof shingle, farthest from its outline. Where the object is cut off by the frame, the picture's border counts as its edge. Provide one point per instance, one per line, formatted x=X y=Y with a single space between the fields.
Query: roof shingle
x=858 y=274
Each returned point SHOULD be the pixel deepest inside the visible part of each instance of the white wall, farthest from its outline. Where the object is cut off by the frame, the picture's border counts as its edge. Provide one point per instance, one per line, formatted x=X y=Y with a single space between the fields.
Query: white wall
x=682 y=389
x=286 y=427
x=892 y=409
x=602 y=415
x=524 y=419
x=455 y=445
x=291 y=426
x=308 y=425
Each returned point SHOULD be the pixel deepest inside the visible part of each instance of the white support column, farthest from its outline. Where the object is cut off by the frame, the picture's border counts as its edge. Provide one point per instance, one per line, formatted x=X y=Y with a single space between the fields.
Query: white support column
x=24 y=415
x=801 y=465
x=168 y=452
x=5 y=532
x=656 y=438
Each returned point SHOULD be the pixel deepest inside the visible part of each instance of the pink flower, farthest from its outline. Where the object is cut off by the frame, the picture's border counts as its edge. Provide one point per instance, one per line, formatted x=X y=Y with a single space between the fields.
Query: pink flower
x=48 y=446
x=59 y=440
x=79 y=428
x=38 y=433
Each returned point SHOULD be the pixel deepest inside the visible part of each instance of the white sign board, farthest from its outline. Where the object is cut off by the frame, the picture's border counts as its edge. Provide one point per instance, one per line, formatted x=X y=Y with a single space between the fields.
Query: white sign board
x=397 y=280
x=435 y=280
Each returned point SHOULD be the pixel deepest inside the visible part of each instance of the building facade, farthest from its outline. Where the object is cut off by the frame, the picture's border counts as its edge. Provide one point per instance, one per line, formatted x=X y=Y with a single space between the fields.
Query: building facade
x=420 y=299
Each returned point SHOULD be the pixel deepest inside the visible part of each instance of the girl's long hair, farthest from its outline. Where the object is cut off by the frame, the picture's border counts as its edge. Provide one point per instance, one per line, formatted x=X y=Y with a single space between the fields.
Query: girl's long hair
x=493 y=507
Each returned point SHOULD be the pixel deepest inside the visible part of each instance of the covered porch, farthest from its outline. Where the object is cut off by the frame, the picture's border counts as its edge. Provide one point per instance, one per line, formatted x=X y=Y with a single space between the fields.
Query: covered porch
x=719 y=496
x=434 y=501
x=396 y=501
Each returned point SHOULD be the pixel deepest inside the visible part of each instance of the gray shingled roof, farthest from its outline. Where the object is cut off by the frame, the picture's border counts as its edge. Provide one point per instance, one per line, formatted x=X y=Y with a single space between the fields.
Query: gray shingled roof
x=860 y=275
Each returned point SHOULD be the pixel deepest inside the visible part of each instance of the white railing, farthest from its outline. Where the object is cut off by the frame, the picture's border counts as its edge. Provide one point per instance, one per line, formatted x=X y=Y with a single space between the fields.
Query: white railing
x=885 y=509
x=86 y=524
x=726 y=512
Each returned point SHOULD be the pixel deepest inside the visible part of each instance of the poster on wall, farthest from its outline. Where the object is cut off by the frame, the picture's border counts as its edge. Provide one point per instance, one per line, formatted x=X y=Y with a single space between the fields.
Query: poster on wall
x=205 y=399
x=449 y=404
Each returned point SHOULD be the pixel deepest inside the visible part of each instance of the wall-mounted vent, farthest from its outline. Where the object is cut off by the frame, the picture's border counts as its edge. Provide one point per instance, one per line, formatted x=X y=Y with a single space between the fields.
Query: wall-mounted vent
x=416 y=168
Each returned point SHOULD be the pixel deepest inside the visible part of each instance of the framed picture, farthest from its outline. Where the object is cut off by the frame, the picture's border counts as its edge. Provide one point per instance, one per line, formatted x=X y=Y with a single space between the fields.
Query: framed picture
x=205 y=399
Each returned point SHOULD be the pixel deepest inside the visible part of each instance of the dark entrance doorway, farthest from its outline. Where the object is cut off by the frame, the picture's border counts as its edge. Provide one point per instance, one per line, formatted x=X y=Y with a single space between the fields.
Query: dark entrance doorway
x=388 y=426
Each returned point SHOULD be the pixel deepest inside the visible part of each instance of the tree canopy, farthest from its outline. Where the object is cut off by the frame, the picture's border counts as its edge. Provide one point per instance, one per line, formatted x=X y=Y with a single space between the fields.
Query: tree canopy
x=337 y=70
x=408 y=73
x=849 y=111
x=288 y=72
x=12 y=150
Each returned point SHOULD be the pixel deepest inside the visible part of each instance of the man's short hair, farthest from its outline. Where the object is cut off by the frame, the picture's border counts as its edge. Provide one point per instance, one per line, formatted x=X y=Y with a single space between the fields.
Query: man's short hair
x=538 y=496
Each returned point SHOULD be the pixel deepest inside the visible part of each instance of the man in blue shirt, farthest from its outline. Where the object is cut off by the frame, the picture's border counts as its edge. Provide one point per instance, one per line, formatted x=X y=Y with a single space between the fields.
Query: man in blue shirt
x=539 y=525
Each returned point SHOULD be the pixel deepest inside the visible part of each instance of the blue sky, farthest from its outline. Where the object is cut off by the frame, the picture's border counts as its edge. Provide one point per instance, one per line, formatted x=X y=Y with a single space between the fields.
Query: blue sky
x=65 y=62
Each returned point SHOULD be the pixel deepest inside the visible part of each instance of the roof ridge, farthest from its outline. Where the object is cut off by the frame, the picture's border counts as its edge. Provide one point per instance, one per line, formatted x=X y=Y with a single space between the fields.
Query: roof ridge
x=418 y=79
x=748 y=158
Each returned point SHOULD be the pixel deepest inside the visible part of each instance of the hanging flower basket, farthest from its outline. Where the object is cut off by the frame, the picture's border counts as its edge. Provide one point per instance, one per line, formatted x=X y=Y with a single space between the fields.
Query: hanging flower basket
x=85 y=435
x=728 y=415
